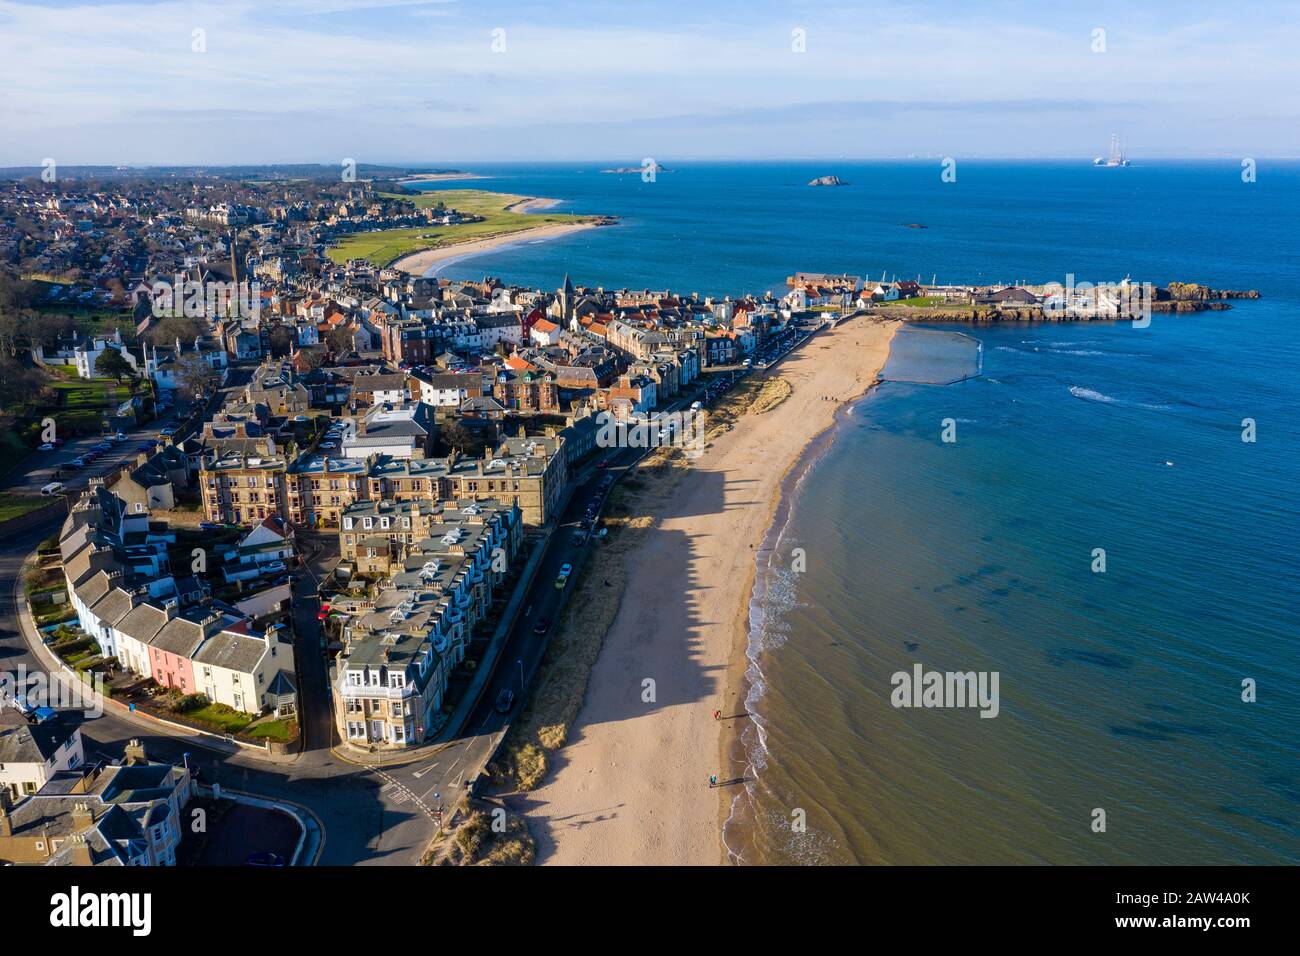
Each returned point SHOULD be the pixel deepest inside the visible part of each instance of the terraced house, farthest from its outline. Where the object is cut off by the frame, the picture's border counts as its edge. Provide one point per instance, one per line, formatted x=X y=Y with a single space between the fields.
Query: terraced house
x=378 y=536
x=391 y=677
x=315 y=490
x=166 y=628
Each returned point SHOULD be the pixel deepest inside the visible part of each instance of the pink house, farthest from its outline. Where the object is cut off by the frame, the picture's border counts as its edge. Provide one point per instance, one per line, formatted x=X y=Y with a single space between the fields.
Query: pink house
x=172 y=648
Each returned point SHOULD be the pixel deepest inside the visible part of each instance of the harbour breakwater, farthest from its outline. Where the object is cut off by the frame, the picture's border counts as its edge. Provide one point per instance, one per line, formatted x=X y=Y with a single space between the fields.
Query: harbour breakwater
x=1177 y=297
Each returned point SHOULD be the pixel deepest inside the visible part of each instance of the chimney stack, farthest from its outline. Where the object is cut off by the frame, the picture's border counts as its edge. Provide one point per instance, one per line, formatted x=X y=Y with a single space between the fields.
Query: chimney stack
x=135 y=753
x=81 y=855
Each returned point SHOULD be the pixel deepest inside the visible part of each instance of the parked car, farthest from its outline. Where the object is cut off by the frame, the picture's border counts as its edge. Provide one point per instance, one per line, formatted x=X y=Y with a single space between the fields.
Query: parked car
x=120 y=436
x=53 y=488
x=101 y=447
x=209 y=525
x=505 y=701
x=75 y=465
x=46 y=447
x=542 y=626
x=275 y=567
x=265 y=858
x=603 y=463
x=579 y=537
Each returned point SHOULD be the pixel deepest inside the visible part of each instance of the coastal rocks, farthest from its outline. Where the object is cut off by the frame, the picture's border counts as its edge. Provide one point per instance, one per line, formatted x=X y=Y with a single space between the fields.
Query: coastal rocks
x=1195 y=292
x=650 y=167
x=827 y=181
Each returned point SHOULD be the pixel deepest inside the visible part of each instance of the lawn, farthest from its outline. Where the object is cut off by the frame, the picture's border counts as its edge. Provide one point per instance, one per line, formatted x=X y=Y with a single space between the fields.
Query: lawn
x=15 y=506
x=222 y=719
x=282 y=730
x=385 y=246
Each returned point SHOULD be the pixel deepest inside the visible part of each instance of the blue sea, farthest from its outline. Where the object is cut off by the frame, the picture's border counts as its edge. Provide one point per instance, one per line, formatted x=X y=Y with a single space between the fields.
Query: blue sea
x=1121 y=690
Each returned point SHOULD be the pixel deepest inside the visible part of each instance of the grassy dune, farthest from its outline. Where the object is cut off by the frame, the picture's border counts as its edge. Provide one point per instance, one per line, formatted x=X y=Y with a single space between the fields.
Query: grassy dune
x=386 y=246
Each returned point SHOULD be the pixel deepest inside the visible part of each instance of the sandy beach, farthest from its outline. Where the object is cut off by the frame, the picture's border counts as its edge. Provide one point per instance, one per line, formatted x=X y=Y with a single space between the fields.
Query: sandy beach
x=418 y=263
x=632 y=783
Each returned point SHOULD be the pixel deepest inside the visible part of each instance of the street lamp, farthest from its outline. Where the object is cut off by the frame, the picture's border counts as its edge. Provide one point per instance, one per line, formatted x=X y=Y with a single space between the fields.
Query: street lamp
x=521 y=673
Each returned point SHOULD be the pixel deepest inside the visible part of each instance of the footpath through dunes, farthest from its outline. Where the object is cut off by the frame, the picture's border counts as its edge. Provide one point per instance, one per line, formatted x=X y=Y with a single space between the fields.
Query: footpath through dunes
x=629 y=781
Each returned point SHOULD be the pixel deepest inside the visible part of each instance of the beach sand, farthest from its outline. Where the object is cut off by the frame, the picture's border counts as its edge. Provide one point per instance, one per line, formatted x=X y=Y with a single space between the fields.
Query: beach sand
x=418 y=263
x=632 y=784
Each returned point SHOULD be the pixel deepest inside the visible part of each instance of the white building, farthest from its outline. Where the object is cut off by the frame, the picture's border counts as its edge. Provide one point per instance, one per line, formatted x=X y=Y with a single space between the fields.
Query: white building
x=32 y=753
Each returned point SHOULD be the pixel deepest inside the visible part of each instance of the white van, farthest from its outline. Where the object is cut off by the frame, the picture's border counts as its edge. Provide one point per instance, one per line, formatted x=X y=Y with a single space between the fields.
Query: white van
x=53 y=488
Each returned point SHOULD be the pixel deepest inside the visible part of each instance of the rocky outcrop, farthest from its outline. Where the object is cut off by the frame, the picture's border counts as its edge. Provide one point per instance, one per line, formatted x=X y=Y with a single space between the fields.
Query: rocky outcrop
x=1195 y=292
x=827 y=181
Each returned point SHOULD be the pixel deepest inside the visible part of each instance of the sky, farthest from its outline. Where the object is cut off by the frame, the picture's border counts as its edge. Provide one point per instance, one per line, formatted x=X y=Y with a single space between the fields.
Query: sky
x=441 y=82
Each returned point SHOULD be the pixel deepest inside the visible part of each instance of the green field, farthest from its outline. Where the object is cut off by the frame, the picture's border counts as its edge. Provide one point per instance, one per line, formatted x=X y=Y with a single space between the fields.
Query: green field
x=386 y=246
x=15 y=506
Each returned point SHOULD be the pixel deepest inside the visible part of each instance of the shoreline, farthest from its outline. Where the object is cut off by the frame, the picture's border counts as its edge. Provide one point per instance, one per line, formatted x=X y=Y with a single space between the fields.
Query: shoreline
x=694 y=647
x=438 y=177
x=733 y=754
x=418 y=263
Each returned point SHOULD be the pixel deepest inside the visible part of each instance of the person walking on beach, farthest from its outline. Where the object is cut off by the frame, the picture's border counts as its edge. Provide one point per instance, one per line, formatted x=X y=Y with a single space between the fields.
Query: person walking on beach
x=713 y=780
x=717 y=715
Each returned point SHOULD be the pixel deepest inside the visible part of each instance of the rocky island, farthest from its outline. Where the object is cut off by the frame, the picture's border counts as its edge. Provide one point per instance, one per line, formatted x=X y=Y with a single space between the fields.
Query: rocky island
x=827 y=181
x=631 y=170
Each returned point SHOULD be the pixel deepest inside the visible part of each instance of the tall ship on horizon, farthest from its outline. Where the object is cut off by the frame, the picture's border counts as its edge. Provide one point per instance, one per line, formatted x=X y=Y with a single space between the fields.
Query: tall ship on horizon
x=1116 y=158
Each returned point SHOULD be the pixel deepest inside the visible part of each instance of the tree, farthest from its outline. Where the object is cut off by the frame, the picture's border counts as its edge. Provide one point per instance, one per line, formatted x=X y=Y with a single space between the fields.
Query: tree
x=340 y=340
x=195 y=376
x=111 y=362
x=18 y=382
x=280 y=340
x=167 y=330
x=463 y=439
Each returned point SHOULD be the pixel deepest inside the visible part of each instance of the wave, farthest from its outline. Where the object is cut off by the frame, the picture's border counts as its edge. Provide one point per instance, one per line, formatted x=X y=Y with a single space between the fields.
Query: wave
x=1091 y=395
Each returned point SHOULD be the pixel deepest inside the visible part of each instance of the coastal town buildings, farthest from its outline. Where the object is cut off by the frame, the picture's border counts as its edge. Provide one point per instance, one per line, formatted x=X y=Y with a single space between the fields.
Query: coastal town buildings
x=170 y=628
x=126 y=814
x=391 y=677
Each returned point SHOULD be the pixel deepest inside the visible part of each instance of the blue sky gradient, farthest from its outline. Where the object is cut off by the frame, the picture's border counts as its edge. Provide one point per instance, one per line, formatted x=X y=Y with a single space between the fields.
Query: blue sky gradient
x=452 y=82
